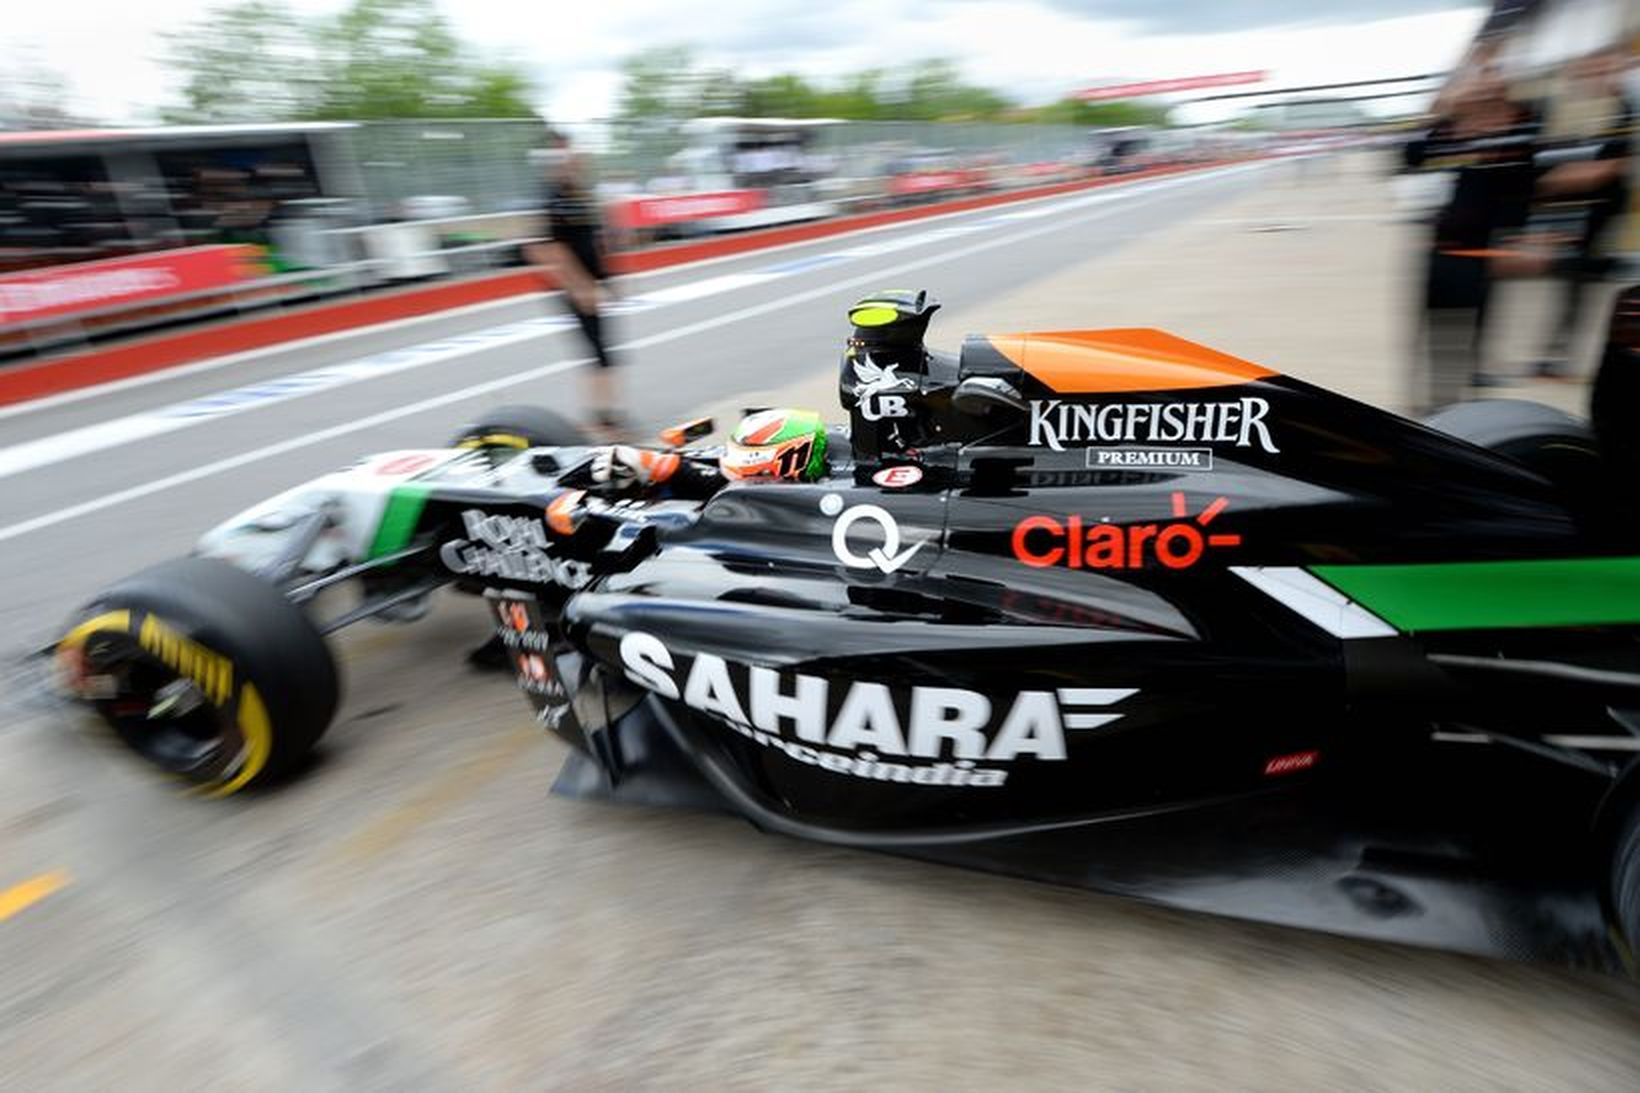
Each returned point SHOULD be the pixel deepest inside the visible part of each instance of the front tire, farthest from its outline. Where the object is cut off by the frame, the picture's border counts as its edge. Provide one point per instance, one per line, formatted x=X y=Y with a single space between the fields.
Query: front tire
x=205 y=671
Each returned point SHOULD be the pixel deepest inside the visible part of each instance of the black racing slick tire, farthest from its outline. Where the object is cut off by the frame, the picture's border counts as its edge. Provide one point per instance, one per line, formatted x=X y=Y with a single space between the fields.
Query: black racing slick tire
x=1546 y=441
x=520 y=427
x=1625 y=880
x=1521 y=430
x=204 y=671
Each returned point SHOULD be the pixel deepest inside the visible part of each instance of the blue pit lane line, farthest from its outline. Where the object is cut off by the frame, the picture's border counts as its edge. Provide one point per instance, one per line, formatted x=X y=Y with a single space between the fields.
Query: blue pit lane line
x=799 y=265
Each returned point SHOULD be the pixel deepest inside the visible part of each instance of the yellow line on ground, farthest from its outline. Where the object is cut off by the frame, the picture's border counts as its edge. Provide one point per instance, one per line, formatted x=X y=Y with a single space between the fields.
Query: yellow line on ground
x=442 y=793
x=23 y=896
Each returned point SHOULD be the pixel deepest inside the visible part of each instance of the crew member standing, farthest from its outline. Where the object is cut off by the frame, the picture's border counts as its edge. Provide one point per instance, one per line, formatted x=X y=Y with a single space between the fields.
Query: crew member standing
x=573 y=256
x=1485 y=140
x=1584 y=190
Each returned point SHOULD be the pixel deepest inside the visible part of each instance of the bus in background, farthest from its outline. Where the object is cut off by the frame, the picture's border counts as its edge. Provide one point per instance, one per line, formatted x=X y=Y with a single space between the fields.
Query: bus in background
x=83 y=195
x=105 y=229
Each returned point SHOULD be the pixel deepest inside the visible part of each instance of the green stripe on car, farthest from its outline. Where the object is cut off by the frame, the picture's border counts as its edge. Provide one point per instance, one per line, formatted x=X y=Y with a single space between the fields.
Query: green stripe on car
x=1494 y=595
x=399 y=520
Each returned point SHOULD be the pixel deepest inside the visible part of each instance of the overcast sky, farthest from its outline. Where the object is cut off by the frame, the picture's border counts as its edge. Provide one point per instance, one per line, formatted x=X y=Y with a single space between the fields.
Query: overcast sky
x=1032 y=50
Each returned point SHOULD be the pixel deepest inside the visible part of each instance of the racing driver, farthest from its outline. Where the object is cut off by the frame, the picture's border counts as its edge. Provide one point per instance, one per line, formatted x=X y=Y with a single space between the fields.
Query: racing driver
x=786 y=445
x=782 y=445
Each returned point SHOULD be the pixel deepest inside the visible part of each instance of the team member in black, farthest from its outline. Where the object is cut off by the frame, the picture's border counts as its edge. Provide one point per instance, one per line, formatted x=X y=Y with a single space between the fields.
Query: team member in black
x=1486 y=140
x=573 y=255
x=1583 y=190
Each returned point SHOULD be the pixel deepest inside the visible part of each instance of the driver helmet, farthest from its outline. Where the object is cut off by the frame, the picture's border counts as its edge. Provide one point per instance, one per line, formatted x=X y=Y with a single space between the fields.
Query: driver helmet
x=786 y=444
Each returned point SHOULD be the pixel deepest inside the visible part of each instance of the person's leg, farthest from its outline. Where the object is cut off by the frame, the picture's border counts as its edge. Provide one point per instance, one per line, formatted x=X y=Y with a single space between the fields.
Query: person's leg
x=1446 y=358
x=1479 y=298
x=601 y=391
x=592 y=326
x=1449 y=353
x=603 y=407
x=1570 y=306
x=1584 y=271
x=1569 y=292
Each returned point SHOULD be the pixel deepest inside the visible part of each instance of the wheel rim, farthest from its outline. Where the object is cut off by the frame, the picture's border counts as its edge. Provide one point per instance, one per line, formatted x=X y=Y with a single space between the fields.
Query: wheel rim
x=157 y=712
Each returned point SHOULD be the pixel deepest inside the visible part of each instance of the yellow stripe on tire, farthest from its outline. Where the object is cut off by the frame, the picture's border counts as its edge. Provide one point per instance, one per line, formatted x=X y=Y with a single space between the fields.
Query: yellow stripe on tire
x=255 y=726
x=109 y=620
x=257 y=731
x=495 y=440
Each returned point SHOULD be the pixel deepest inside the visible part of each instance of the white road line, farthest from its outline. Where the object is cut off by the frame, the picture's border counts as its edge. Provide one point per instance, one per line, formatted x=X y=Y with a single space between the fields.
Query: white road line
x=1387 y=217
x=1029 y=207
x=194 y=474
x=57 y=447
x=256 y=455
x=212 y=364
x=711 y=286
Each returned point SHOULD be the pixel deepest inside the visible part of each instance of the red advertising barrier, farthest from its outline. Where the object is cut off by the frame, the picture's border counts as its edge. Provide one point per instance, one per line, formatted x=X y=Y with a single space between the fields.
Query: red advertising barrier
x=650 y=212
x=922 y=182
x=59 y=291
x=1162 y=87
x=1042 y=170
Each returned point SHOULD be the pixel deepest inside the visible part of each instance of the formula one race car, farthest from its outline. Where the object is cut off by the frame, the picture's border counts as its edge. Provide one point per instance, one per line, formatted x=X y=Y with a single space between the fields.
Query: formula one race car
x=1107 y=608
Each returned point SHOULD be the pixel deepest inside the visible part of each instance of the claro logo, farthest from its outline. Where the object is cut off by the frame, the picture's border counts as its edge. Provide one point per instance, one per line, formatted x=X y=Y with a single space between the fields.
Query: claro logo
x=1044 y=541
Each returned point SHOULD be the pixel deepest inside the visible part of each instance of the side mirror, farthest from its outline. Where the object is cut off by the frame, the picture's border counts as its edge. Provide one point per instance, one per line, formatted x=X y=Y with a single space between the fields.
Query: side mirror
x=679 y=435
x=979 y=395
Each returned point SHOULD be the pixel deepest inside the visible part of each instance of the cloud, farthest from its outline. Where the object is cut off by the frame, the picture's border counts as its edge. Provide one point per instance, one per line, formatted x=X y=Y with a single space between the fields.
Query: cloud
x=1217 y=16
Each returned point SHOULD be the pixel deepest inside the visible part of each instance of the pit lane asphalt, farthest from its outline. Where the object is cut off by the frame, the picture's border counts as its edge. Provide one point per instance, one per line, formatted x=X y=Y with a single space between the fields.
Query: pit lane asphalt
x=417 y=913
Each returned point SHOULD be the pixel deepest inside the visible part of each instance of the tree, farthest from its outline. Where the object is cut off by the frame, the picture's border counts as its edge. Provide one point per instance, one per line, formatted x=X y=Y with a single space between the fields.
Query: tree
x=663 y=85
x=1108 y=114
x=858 y=97
x=661 y=88
x=249 y=61
x=400 y=59
x=34 y=95
x=784 y=96
x=498 y=91
x=936 y=91
x=253 y=60
x=387 y=59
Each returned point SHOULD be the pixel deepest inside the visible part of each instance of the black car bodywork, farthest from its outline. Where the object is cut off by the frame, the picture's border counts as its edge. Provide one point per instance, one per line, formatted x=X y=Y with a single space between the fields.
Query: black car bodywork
x=1110 y=609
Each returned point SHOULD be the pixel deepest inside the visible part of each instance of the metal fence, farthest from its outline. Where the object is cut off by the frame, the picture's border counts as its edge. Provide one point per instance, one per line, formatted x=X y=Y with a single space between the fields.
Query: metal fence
x=486 y=163
x=865 y=148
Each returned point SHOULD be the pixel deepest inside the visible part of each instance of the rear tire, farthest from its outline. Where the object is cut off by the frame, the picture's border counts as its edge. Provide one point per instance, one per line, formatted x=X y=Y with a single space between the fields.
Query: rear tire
x=521 y=427
x=1514 y=427
x=1625 y=880
x=1546 y=441
x=206 y=672
x=1616 y=394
